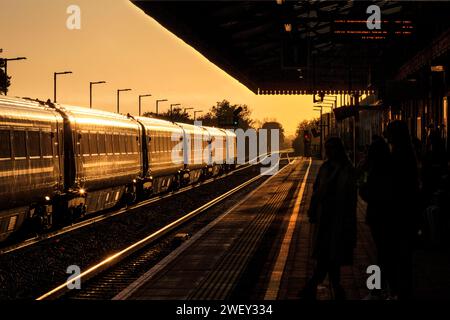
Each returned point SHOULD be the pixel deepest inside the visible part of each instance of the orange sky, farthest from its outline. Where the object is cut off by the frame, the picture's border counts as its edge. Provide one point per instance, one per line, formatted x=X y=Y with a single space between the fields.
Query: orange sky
x=119 y=44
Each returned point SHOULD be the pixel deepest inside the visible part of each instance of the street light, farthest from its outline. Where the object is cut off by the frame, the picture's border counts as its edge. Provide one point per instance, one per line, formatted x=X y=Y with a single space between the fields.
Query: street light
x=90 y=91
x=158 y=101
x=185 y=109
x=54 y=82
x=195 y=113
x=174 y=105
x=140 y=97
x=320 y=108
x=5 y=61
x=321 y=129
x=118 y=97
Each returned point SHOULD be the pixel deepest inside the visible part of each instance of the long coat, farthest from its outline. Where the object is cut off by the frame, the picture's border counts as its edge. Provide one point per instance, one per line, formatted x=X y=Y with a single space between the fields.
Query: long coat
x=333 y=213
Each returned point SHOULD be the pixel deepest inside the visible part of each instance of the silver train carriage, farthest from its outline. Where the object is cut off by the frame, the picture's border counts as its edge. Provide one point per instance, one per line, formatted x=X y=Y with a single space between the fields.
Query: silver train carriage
x=195 y=148
x=107 y=158
x=231 y=149
x=217 y=150
x=31 y=165
x=163 y=145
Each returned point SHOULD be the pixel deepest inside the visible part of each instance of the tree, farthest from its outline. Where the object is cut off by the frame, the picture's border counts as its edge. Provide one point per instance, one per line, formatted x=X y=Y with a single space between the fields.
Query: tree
x=5 y=81
x=274 y=125
x=299 y=141
x=222 y=114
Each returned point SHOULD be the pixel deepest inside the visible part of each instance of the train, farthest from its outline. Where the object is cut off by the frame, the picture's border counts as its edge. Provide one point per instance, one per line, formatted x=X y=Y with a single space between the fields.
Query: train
x=59 y=163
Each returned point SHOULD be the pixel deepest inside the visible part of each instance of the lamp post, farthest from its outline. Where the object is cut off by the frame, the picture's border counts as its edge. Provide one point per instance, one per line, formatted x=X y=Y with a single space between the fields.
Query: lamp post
x=90 y=91
x=320 y=108
x=185 y=109
x=55 y=74
x=157 y=102
x=118 y=97
x=140 y=103
x=321 y=129
x=5 y=61
x=195 y=113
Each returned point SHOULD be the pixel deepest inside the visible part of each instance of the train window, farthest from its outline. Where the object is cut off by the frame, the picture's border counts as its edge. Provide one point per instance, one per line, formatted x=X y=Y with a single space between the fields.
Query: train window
x=166 y=142
x=134 y=143
x=85 y=143
x=163 y=142
x=130 y=144
x=158 y=143
x=126 y=141
x=5 y=144
x=20 y=144
x=46 y=144
x=116 y=144
x=93 y=143
x=34 y=148
x=152 y=141
x=101 y=143
x=109 y=144
x=122 y=144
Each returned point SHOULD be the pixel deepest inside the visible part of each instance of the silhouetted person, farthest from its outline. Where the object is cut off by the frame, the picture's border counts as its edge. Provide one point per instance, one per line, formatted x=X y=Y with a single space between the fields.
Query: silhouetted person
x=377 y=192
x=400 y=229
x=434 y=164
x=434 y=169
x=333 y=212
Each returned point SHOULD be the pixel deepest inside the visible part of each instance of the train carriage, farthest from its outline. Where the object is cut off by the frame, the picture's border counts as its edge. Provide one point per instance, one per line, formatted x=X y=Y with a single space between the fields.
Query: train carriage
x=231 y=149
x=107 y=157
x=216 y=150
x=164 y=148
x=195 y=146
x=31 y=164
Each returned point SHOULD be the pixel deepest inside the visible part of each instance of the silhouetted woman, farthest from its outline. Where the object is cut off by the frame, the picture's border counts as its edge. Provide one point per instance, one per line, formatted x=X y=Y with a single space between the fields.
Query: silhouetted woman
x=377 y=192
x=333 y=212
x=400 y=228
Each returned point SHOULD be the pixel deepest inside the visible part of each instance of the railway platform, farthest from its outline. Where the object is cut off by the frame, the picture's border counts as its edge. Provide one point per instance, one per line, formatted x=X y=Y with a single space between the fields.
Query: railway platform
x=261 y=250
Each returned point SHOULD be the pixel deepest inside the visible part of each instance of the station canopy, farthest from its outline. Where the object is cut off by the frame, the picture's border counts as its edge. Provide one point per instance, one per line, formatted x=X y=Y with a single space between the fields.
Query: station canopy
x=304 y=47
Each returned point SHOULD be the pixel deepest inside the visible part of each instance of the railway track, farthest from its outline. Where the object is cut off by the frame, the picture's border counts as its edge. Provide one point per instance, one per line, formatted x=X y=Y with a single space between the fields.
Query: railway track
x=103 y=216
x=111 y=275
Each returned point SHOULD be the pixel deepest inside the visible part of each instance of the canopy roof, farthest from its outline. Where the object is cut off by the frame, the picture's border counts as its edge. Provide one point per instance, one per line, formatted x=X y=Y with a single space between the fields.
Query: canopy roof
x=298 y=47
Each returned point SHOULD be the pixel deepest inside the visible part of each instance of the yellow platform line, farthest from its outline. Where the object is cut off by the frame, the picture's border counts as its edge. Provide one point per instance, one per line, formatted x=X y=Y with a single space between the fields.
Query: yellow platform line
x=277 y=272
